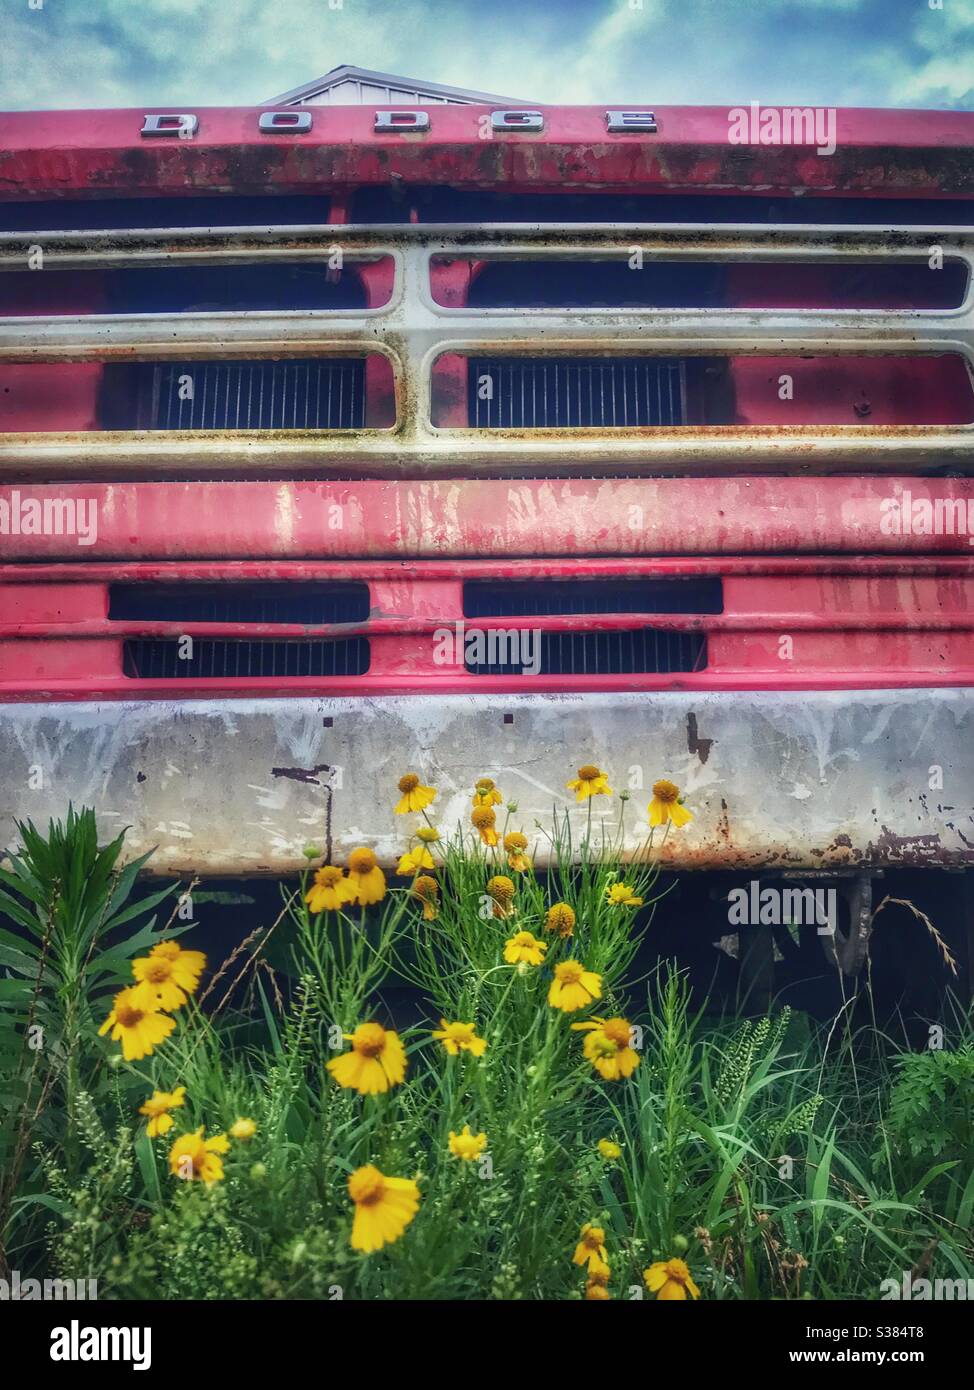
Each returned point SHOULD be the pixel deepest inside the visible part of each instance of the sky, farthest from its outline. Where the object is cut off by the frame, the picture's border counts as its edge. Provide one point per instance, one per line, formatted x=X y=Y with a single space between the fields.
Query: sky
x=66 y=54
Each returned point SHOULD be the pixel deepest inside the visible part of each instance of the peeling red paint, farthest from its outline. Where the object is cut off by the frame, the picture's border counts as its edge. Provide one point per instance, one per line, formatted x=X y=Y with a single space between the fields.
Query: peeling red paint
x=879 y=153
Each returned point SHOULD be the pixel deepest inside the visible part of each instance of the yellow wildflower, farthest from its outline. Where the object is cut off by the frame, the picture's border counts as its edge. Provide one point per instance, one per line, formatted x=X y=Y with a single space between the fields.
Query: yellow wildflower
x=366 y=881
x=523 y=947
x=384 y=1207
x=609 y=1150
x=590 y=1249
x=329 y=890
x=192 y=1156
x=414 y=860
x=243 y=1129
x=486 y=794
x=484 y=820
x=466 y=1145
x=501 y=889
x=427 y=890
x=670 y=1280
x=136 y=1024
x=376 y=1061
x=621 y=895
x=665 y=805
x=415 y=797
x=158 y=1106
x=589 y=782
x=420 y=858
x=167 y=976
x=560 y=918
x=188 y=963
x=608 y=1046
x=460 y=1037
x=515 y=844
x=573 y=987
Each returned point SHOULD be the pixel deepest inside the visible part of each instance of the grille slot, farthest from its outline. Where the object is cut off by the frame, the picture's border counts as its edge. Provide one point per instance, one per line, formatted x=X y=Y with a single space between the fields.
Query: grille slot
x=278 y=287
x=159 y=659
x=299 y=394
x=466 y=207
x=575 y=393
x=301 y=602
x=638 y=651
x=611 y=284
x=485 y=598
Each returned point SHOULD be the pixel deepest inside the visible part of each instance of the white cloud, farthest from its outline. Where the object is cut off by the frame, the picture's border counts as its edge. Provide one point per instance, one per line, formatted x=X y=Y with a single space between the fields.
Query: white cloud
x=240 y=52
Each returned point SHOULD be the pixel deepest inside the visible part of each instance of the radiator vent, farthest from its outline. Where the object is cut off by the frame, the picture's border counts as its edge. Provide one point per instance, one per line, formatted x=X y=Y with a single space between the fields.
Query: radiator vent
x=318 y=393
x=159 y=659
x=279 y=602
x=640 y=651
x=575 y=392
x=486 y=598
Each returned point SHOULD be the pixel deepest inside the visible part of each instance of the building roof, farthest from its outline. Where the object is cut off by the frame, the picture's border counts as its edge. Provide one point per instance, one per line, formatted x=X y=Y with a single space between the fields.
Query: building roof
x=351 y=86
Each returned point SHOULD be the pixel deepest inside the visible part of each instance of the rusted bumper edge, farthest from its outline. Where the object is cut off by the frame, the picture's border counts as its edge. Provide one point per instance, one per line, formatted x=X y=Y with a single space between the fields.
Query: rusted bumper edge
x=779 y=781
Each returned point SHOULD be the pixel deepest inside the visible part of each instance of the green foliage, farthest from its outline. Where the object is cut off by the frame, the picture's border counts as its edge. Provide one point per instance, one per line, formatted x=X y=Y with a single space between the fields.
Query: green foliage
x=70 y=905
x=745 y=1146
x=931 y=1115
x=928 y=1129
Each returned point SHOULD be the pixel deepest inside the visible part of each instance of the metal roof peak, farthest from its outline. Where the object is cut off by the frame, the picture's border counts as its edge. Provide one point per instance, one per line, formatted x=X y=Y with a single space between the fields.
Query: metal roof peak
x=346 y=74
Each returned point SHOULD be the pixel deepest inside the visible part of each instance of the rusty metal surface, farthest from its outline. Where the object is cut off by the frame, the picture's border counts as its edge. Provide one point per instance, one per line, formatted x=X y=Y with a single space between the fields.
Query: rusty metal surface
x=491 y=518
x=827 y=781
x=412 y=331
x=94 y=153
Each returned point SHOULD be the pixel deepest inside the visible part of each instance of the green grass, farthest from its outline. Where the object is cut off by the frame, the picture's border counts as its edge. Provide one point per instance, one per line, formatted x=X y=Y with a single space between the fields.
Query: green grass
x=779 y=1158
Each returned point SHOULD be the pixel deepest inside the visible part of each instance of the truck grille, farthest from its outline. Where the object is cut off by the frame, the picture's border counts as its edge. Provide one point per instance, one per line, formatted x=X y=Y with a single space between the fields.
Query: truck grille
x=485 y=598
x=327 y=393
x=240 y=603
x=159 y=659
x=575 y=392
x=640 y=651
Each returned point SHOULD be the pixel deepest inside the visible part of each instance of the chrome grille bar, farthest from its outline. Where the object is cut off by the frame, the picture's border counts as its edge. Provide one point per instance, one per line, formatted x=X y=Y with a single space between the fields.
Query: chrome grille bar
x=411 y=331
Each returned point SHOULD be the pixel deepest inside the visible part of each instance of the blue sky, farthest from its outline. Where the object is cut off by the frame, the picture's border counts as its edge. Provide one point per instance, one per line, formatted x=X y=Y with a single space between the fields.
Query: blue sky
x=184 y=53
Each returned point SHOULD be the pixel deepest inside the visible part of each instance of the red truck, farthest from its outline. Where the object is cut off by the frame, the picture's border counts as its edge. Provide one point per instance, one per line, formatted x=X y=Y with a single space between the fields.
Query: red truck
x=343 y=440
